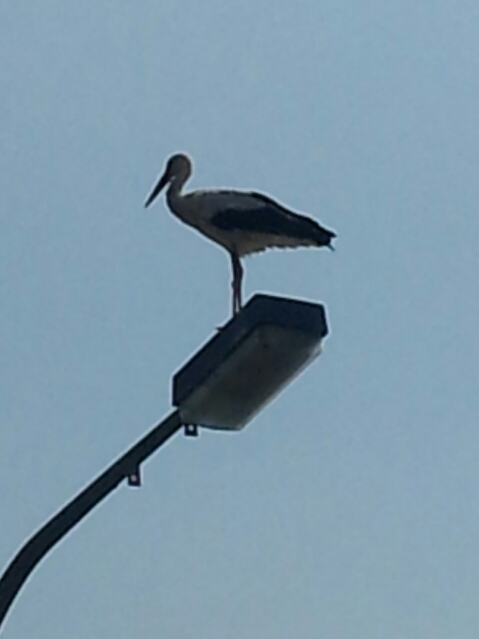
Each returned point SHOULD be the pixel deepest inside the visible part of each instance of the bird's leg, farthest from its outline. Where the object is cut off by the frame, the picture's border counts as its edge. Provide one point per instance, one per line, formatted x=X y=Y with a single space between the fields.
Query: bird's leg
x=239 y=290
x=236 y=283
x=234 y=264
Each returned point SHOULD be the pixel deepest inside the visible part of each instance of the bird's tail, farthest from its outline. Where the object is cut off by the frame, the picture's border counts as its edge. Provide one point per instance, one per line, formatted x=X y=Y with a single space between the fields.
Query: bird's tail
x=323 y=237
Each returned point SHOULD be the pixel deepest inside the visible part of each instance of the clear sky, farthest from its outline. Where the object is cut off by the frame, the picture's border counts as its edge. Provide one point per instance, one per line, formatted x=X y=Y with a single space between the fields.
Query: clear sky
x=349 y=507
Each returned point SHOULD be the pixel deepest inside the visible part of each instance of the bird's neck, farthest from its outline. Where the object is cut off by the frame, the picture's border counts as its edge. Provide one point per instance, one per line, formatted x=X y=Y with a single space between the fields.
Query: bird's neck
x=173 y=194
x=176 y=203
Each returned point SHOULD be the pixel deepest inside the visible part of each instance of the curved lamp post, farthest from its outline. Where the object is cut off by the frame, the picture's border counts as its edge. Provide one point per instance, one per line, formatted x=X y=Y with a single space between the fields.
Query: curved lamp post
x=249 y=361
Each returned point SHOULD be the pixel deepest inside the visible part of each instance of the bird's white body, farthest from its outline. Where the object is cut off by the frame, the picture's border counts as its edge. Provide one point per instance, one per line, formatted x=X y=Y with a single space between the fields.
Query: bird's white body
x=240 y=221
x=199 y=208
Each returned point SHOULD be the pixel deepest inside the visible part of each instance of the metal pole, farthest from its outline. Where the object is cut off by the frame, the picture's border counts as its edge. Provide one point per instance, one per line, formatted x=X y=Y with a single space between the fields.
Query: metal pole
x=56 y=528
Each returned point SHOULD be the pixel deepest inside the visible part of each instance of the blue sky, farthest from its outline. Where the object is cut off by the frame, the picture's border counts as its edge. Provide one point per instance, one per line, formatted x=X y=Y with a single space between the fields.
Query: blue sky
x=348 y=508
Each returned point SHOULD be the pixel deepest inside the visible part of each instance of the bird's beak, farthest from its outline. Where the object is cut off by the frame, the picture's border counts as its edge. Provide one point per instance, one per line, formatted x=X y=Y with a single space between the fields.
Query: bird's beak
x=162 y=182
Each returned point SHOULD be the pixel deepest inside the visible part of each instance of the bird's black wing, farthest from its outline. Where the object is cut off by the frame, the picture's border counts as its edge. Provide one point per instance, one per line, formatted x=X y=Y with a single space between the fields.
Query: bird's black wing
x=270 y=218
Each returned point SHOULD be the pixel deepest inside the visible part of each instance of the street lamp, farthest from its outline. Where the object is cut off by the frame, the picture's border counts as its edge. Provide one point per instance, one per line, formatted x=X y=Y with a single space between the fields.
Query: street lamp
x=248 y=362
x=228 y=381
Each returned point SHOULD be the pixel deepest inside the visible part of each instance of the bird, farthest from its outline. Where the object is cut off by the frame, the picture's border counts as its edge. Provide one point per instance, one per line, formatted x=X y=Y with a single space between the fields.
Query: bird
x=242 y=222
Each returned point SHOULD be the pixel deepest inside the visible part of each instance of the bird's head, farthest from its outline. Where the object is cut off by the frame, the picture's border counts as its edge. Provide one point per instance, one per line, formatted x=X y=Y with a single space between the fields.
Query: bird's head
x=178 y=170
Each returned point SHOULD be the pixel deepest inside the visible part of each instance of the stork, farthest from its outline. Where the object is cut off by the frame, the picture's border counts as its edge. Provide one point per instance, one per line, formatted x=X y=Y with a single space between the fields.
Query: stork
x=240 y=221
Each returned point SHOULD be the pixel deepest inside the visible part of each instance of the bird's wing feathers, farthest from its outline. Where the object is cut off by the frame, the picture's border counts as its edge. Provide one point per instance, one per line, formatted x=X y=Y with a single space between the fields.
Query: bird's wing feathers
x=211 y=202
x=260 y=214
